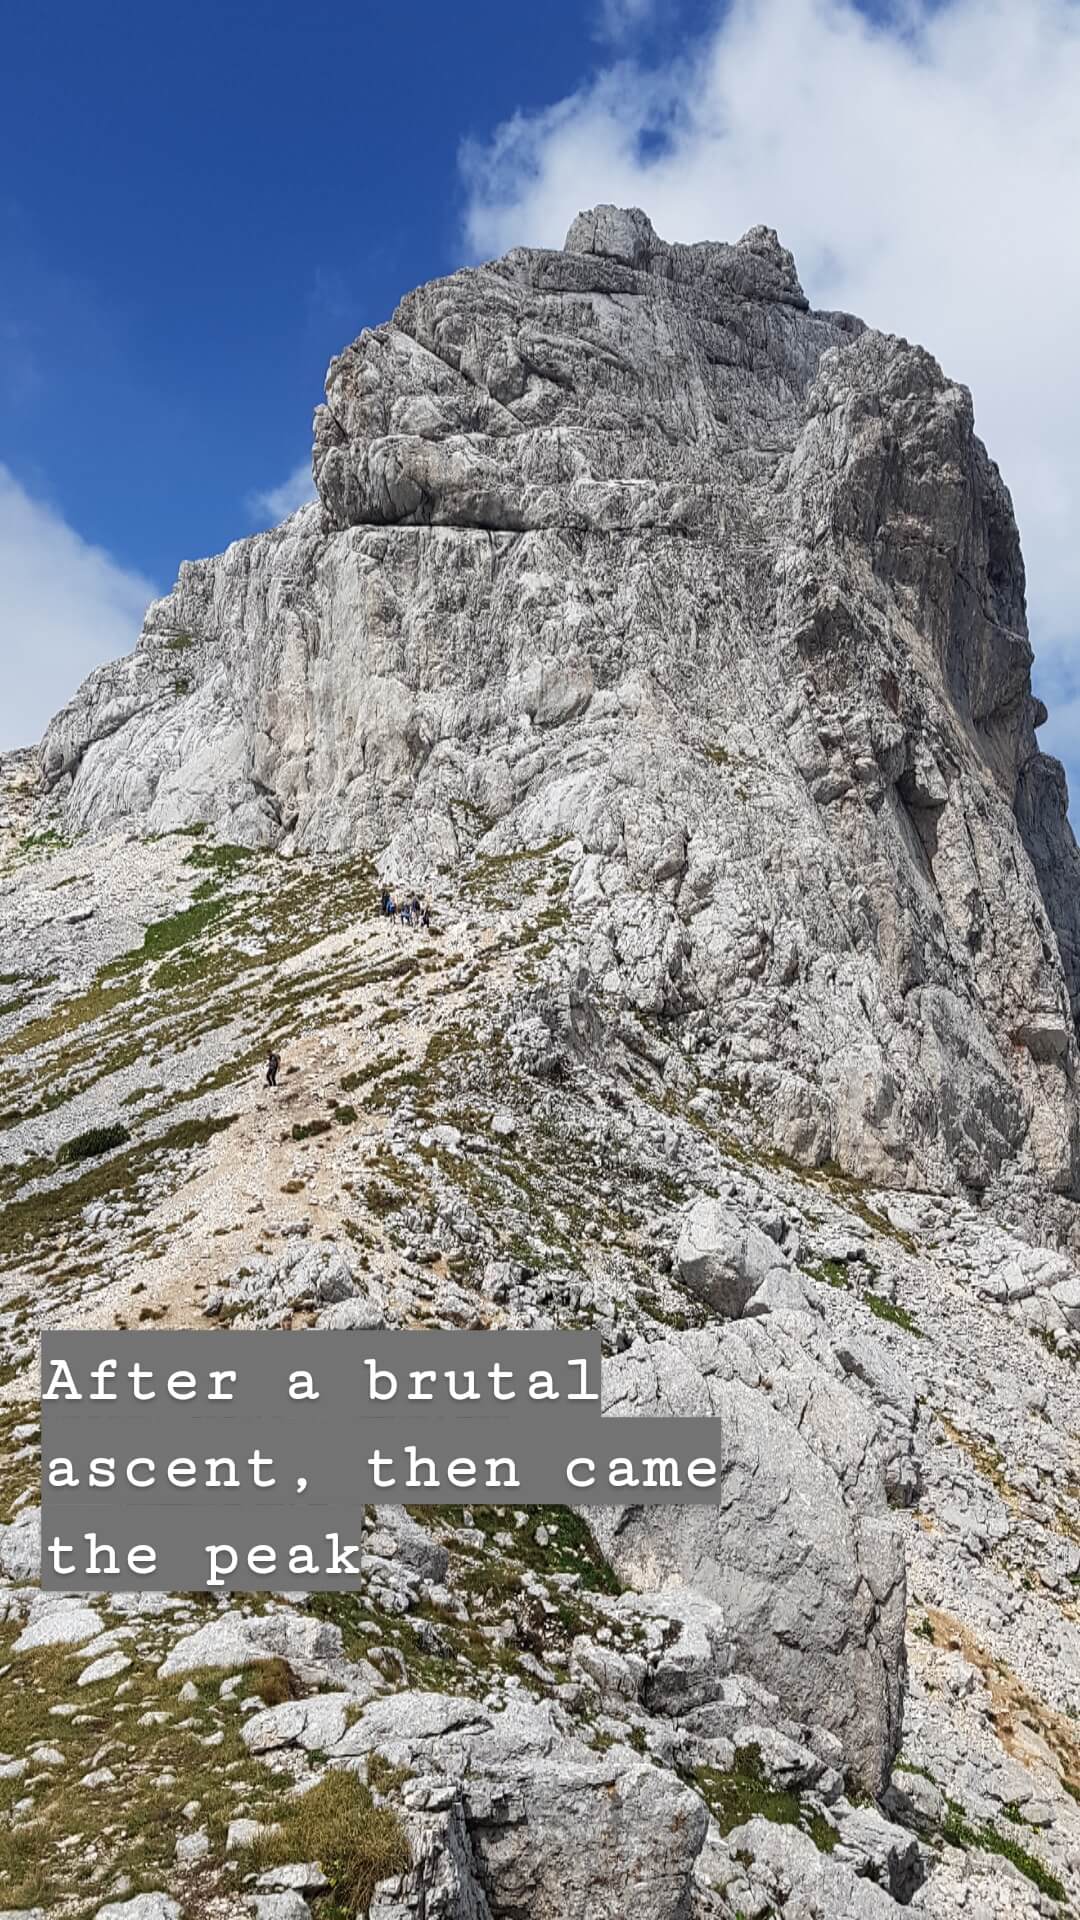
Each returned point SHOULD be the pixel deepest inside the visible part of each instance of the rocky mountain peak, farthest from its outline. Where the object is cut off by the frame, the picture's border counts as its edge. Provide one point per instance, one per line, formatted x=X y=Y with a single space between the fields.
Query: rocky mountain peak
x=624 y=546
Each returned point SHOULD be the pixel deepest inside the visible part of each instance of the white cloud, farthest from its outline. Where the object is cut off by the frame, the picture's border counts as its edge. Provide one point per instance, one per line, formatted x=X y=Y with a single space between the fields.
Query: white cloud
x=65 y=606
x=276 y=503
x=926 y=175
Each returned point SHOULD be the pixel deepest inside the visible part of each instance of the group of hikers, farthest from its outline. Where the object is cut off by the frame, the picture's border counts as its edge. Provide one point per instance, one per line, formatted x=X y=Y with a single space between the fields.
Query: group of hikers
x=411 y=912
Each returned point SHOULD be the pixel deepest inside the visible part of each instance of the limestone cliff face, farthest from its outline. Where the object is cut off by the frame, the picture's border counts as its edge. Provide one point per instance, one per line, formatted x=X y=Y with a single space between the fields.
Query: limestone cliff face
x=626 y=546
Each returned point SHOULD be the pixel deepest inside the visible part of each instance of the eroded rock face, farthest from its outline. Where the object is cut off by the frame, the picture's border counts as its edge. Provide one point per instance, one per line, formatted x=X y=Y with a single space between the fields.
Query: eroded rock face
x=800 y=1552
x=624 y=545
x=553 y=1827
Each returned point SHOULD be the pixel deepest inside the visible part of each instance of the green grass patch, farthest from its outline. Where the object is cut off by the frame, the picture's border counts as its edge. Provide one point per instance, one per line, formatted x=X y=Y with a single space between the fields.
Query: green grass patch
x=356 y=1843
x=48 y=841
x=93 y=1004
x=651 y=1304
x=959 y=1832
x=383 y=1777
x=80 y=1838
x=31 y=1225
x=833 y=1273
x=883 y=1309
x=164 y=936
x=362 y=1076
x=570 y=1546
x=16 y=1476
x=224 y=860
x=272 y=1680
x=736 y=1796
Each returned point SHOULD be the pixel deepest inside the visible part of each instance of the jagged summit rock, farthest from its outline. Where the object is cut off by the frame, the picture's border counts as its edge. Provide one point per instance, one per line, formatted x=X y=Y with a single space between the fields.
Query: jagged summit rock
x=757 y=268
x=618 y=233
x=623 y=545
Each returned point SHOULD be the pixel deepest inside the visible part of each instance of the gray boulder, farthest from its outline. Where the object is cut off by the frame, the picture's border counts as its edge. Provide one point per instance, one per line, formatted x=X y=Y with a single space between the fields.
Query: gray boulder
x=442 y=1881
x=724 y=1259
x=786 y=1868
x=300 y=1278
x=286 y=1905
x=309 y=1645
x=57 y=1621
x=554 y=1827
x=314 y=1724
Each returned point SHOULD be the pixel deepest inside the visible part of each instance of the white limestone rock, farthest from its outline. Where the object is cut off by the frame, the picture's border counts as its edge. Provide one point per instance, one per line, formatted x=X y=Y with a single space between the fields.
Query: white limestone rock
x=799 y=1553
x=554 y=1827
x=20 y=1546
x=144 y=1906
x=625 y=544
x=65 y=1624
x=724 y=1259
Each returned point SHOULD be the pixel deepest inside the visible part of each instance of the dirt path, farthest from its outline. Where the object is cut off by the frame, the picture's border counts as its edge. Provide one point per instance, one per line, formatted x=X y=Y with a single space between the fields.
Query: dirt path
x=255 y=1178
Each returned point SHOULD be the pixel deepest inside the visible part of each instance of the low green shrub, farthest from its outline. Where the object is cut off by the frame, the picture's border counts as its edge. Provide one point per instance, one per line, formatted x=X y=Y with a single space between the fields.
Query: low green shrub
x=87 y=1146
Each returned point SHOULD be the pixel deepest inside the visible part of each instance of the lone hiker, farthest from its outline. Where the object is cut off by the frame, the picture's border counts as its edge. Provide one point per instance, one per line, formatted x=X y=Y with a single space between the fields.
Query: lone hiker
x=272 y=1066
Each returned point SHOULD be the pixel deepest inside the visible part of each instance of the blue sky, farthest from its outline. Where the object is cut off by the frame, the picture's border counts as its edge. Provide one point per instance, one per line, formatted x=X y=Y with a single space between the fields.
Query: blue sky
x=199 y=206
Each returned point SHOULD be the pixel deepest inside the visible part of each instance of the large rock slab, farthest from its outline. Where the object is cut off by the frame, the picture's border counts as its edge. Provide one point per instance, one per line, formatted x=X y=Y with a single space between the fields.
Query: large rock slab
x=799 y=1553
x=554 y=1827
x=312 y=1647
x=682 y=1655
x=59 y=1624
x=786 y=1866
x=143 y=1906
x=314 y=1724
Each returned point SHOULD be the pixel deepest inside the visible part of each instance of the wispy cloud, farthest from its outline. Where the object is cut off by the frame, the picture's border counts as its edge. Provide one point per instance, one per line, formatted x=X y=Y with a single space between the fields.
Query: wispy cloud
x=925 y=170
x=274 y=504
x=65 y=606
x=618 y=19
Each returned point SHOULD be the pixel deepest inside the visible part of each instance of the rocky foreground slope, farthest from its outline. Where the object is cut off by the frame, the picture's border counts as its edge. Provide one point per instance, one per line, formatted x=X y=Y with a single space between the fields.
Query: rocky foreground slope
x=671 y=638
